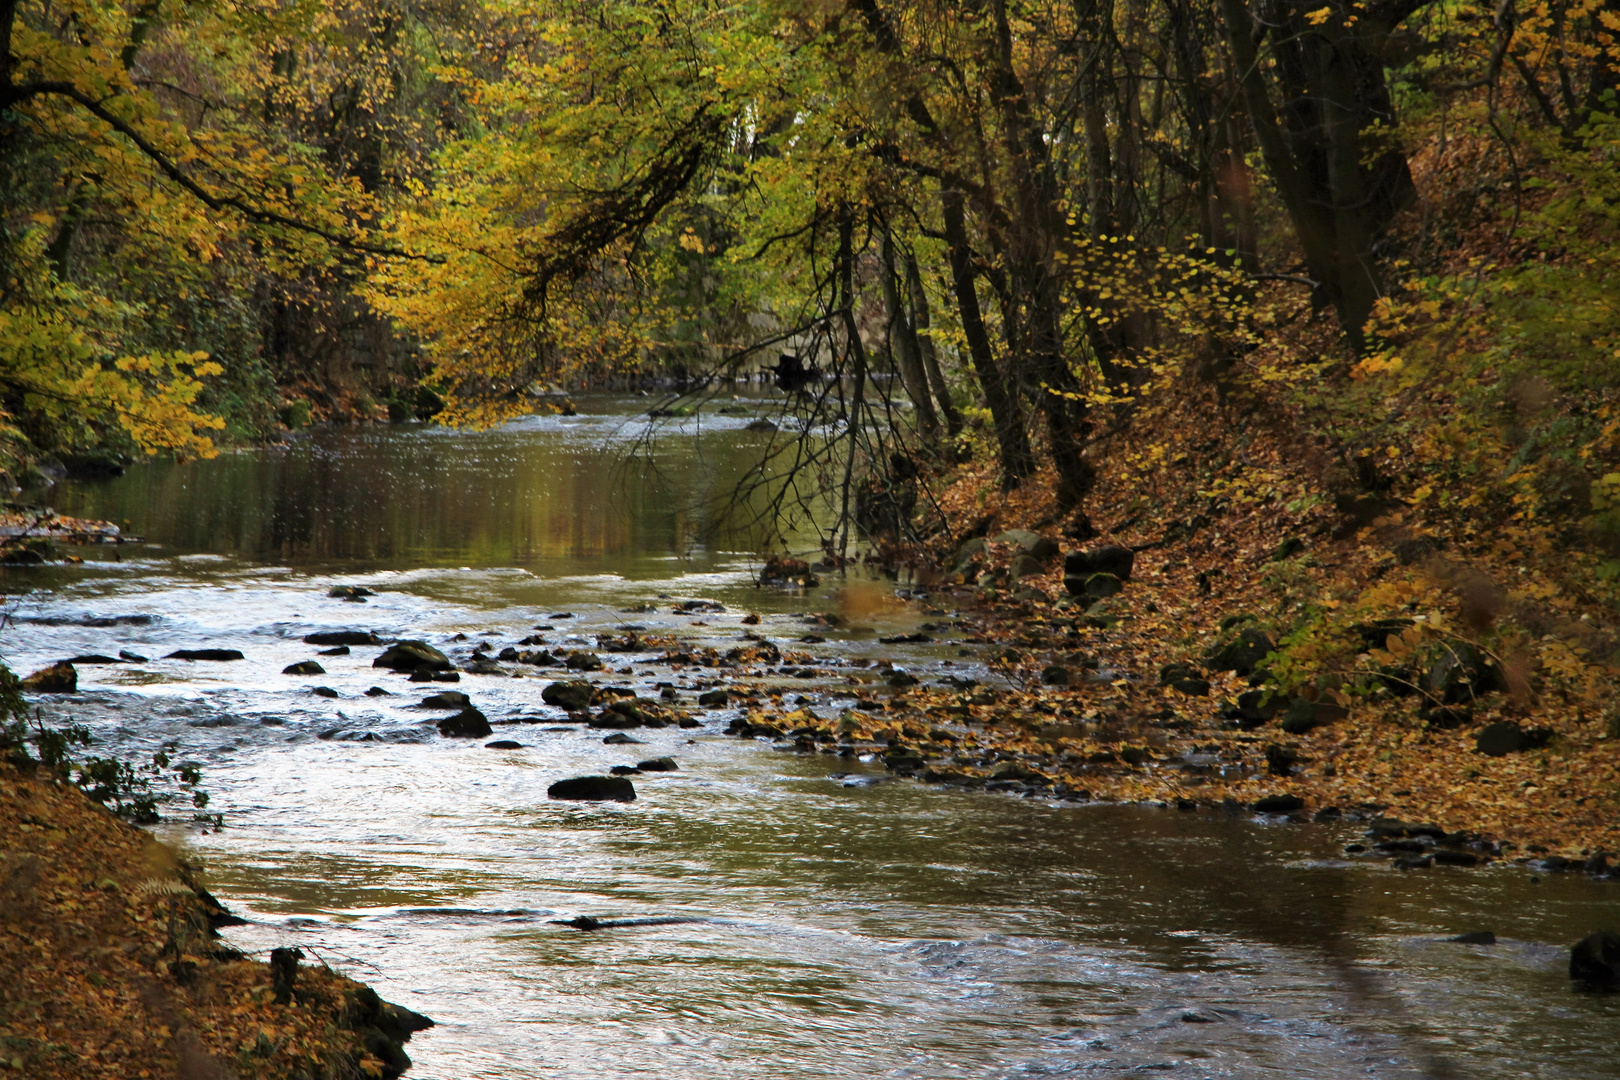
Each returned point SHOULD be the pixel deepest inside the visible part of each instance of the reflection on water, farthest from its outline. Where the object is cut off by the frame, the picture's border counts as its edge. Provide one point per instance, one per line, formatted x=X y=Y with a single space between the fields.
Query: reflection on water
x=555 y=494
x=884 y=930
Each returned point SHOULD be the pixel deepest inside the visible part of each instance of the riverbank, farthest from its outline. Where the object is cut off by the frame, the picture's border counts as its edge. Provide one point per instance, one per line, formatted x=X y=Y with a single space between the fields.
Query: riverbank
x=113 y=968
x=1254 y=627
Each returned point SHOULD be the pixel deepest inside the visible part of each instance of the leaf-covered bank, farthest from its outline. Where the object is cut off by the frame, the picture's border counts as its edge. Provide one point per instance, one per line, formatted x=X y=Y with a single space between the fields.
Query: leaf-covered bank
x=1243 y=631
x=113 y=969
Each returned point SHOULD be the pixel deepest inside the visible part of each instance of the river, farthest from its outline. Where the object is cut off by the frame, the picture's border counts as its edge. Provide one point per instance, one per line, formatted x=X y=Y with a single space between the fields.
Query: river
x=839 y=923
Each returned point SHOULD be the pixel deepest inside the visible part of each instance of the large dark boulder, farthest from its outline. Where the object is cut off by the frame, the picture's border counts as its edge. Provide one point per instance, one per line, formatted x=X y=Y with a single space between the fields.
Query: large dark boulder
x=1279 y=804
x=1098 y=586
x=1108 y=559
x=1304 y=716
x=204 y=654
x=714 y=699
x=1253 y=708
x=1030 y=543
x=1461 y=674
x=594 y=788
x=1025 y=565
x=412 y=656
x=1243 y=654
x=658 y=764
x=1506 y=737
x=59 y=678
x=469 y=723
x=304 y=667
x=343 y=637
x=580 y=660
x=445 y=699
x=1594 y=962
x=573 y=696
x=382 y=1027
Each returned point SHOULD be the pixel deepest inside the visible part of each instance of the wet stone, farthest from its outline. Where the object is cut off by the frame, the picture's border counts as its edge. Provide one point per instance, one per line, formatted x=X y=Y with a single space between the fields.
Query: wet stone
x=572 y=695
x=469 y=723
x=593 y=788
x=343 y=637
x=414 y=656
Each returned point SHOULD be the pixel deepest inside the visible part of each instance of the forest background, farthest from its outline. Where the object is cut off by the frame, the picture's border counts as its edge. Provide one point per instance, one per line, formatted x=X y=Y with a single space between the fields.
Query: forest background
x=1135 y=268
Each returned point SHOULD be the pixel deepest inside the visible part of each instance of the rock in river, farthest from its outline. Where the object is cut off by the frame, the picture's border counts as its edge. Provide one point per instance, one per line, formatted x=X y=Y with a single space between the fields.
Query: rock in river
x=658 y=764
x=343 y=637
x=573 y=695
x=60 y=678
x=412 y=656
x=469 y=723
x=446 y=699
x=1278 y=804
x=304 y=667
x=204 y=654
x=1594 y=962
x=604 y=788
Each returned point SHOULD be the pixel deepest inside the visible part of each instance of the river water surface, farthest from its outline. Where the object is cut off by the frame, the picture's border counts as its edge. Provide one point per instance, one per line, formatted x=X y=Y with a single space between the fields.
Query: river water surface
x=835 y=925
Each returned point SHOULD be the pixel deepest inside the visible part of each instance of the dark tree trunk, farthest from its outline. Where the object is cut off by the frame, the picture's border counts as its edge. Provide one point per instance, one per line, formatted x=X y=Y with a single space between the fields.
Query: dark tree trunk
x=1039 y=225
x=923 y=323
x=1017 y=460
x=903 y=346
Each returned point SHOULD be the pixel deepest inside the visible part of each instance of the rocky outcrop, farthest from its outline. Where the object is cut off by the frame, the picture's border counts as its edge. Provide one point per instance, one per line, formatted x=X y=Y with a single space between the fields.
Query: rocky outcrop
x=59 y=678
x=1108 y=559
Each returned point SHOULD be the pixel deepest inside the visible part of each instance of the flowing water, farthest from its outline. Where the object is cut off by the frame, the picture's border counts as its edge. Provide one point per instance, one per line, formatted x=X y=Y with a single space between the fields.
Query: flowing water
x=829 y=925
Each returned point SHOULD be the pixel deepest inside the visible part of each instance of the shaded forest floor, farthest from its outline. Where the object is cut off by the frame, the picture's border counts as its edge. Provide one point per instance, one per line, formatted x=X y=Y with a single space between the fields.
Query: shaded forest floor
x=112 y=968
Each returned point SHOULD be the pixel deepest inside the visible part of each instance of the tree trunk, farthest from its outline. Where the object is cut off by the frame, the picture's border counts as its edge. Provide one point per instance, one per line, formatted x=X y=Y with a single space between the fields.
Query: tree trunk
x=856 y=350
x=1017 y=460
x=925 y=347
x=1038 y=226
x=903 y=346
